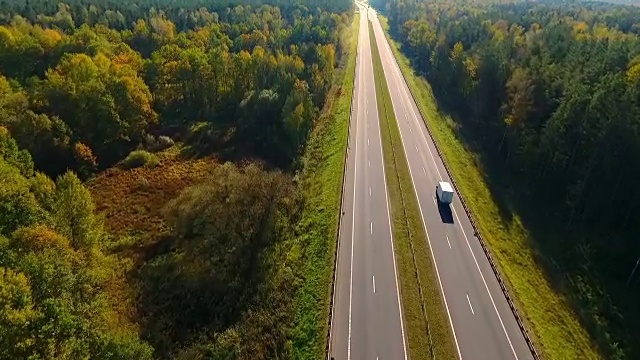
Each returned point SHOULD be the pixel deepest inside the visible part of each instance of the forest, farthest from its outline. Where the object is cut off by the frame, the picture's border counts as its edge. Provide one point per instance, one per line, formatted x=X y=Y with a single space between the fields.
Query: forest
x=548 y=95
x=152 y=173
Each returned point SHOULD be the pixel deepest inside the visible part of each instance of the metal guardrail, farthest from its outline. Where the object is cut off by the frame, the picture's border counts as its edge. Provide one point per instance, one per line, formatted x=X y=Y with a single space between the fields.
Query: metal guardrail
x=476 y=231
x=344 y=175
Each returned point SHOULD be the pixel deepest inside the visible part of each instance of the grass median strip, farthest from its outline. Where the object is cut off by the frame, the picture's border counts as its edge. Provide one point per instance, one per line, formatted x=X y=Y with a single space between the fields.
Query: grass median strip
x=556 y=328
x=426 y=323
x=322 y=183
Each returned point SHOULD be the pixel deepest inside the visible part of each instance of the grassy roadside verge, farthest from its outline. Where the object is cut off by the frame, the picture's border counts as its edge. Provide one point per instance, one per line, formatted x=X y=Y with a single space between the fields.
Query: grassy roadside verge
x=418 y=281
x=321 y=181
x=556 y=329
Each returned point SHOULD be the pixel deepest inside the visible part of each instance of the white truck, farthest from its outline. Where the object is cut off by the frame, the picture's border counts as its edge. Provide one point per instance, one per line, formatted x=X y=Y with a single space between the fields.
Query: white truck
x=444 y=191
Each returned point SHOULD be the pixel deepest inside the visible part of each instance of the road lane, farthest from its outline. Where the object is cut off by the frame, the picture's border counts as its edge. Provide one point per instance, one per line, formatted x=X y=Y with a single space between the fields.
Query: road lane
x=484 y=326
x=367 y=318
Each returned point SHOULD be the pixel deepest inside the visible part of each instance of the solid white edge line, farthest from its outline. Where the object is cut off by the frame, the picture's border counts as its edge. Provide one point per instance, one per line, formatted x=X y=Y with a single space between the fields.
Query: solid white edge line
x=486 y=287
x=424 y=224
x=374 y=283
x=340 y=230
x=393 y=253
x=471 y=307
x=422 y=129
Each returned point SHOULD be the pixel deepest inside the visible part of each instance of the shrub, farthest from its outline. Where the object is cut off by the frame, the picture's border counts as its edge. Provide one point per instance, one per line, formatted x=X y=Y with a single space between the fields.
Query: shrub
x=139 y=158
x=149 y=142
x=164 y=142
x=158 y=144
x=142 y=183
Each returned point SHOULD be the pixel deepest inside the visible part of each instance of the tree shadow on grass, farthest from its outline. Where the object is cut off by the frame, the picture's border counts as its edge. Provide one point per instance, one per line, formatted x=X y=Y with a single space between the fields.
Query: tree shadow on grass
x=500 y=189
x=182 y=298
x=227 y=144
x=581 y=266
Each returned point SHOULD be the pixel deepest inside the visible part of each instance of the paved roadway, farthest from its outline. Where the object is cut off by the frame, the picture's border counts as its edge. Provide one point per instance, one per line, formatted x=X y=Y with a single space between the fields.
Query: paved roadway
x=367 y=321
x=484 y=326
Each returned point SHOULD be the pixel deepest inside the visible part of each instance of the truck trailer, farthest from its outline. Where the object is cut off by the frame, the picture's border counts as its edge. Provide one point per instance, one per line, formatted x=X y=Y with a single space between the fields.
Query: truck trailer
x=444 y=191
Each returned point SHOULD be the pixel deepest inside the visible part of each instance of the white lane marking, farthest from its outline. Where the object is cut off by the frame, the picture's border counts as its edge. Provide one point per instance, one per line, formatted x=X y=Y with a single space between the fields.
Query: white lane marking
x=424 y=171
x=469 y=301
x=369 y=191
x=393 y=253
x=486 y=287
x=369 y=163
x=424 y=224
x=448 y=241
x=367 y=141
x=396 y=68
x=371 y=228
x=374 y=284
x=353 y=221
x=434 y=201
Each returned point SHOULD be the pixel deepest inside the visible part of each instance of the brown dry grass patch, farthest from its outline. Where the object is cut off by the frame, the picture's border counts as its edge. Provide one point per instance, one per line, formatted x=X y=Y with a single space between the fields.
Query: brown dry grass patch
x=131 y=201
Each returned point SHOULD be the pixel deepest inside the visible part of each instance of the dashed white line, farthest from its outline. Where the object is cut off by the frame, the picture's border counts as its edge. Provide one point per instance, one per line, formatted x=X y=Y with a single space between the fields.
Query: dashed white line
x=485 y=285
x=371 y=228
x=367 y=141
x=470 y=305
x=434 y=201
x=374 y=284
x=369 y=163
x=369 y=191
x=448 y=241
x=424 y=171
x=355 y=176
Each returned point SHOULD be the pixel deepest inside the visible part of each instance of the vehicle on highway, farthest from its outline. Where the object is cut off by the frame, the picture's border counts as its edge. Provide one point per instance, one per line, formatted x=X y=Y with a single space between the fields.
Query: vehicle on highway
x=444 y=191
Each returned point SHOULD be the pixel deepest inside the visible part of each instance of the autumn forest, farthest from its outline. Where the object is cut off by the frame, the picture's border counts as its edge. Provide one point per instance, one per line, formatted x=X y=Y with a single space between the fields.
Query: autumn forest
x=170 y=170
x=148 y=204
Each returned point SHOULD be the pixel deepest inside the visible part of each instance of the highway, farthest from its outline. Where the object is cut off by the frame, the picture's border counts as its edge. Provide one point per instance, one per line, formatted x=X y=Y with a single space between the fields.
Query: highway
x=366 y=315
x=483 y=325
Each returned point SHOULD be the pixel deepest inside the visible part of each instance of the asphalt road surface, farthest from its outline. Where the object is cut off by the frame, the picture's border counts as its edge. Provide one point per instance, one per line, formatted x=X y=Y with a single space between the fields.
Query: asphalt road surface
x=484 y=326
x=367 y=321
